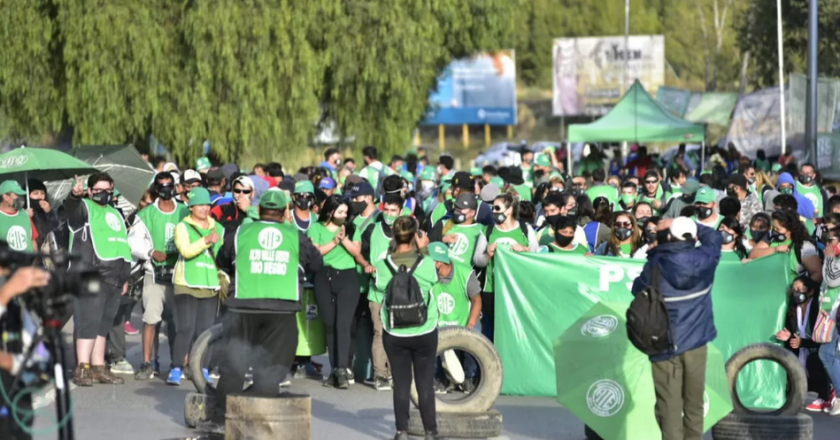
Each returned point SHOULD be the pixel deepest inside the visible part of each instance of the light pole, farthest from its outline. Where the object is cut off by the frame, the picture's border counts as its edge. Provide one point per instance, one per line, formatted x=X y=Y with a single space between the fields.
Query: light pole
x=811 y=97
x=781 y=73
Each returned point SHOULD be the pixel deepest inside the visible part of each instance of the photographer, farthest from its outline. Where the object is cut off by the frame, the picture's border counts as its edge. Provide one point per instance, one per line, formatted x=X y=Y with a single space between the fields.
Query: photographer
x=23 y=280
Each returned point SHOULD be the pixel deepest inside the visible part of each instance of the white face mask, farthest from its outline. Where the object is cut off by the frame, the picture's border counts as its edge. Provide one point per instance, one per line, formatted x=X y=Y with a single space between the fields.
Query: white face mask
x=427 y=185
x=439 y=169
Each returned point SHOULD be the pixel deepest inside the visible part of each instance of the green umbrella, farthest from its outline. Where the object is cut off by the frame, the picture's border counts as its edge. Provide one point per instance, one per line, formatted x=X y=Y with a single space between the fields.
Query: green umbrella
x=41 y=163
x=608 y=384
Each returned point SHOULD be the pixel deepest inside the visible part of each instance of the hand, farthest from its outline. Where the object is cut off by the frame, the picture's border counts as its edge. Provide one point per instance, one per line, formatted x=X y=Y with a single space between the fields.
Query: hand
x=213 y=238
x=664 y=224
x=369 y=269
x=782 y=248
x=45 y=205
x=125 y=288
x=340 y=235
x=783 y=335
x=795 y=341
x=745 y=261
x=243 y=203
x=158 y=256
x=30 y=211
x=78 y=186
x=520 y=248
x=588 y=254
x=422 y=240
x=450 y=238
x=22 y=281
x=471 y=325
x=657 y=203
x=491 y=250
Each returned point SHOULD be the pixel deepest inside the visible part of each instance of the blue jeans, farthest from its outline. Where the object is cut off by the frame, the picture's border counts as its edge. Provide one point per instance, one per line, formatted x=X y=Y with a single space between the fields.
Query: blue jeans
x=830 y=357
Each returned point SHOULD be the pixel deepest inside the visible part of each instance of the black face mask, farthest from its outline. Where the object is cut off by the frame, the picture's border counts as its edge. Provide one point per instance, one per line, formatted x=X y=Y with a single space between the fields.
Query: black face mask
x=18 y=204
x=458 y=217
x=642 y=220
x=731 y=192
x=499 y=217
x=562 y=240
x=358 y=207
x=553 y=219
x=805 y=179
x=727 y=237
x=799 y=297
x=777 y=238
x=623 y=233
x=703 y=213
x=35 y=204
x=758 y=235
x=165 y=192
x=103 y=198
x=576 y=191
x=303 y=203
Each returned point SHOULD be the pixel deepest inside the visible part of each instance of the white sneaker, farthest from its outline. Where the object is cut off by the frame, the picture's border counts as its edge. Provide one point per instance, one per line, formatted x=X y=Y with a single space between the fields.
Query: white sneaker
x=835 y=408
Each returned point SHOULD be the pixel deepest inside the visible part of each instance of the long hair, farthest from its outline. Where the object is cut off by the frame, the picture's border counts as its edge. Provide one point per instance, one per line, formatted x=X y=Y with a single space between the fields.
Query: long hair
x=798 y=234
x=603 y=210
x=735 y=226
x=404 y=231
x=813 y=289
x=509 y=200
x=332 y=203
x=635 y=237
x=585 y=210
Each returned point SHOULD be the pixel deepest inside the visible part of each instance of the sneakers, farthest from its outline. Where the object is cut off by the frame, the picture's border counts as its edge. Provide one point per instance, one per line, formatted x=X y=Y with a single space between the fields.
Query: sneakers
x=401 y=436
x=382 y=384
x=468 y=386
x=286 y=382
x=818 y=405
x=211 y=427
x=82 y=376
x=309 y=370
x=129 y=329
x=431 y=436
x=440 y=388
x=174 y=378
x=834 y=410
x=122 y=367
x=100 y=374
x=341 y=381
x=351 y=378
x=145 y=372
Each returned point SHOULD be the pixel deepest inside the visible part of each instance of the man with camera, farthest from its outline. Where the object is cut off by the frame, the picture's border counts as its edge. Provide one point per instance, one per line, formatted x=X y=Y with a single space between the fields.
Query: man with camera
x=22 y=281
x=99 y=235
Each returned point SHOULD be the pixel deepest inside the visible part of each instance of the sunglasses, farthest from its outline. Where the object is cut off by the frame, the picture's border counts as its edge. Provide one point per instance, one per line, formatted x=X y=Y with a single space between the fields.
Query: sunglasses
x=242 y=191
x=623 y=224
x=651 y=182
x=577 y=185
x=498 y=208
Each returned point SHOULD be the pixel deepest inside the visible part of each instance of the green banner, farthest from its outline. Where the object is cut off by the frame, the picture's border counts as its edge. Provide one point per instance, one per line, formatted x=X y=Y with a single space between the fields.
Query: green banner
x=539 y=296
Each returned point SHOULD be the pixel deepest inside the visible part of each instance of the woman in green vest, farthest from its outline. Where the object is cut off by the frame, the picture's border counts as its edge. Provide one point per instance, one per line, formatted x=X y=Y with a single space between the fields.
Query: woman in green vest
x=788 y=235
x=336 y=285
x=732 y=247
x=625 y=239
x=564 y=236
x=411 y=348
x=198 y=239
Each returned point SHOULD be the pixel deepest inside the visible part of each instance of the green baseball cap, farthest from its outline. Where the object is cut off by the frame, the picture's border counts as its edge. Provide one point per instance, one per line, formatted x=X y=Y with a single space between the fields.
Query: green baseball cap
x=199 y=196
x=407 y=175
x=274 y=199
x=543 y=160
x=498 y=181
x=776 y=167
x=439 y=252
x=11 y=186
x=705 y=195
x=476 y=171
x=555 y=173
x=303 y=187
x=428 y=173
x=202 y=164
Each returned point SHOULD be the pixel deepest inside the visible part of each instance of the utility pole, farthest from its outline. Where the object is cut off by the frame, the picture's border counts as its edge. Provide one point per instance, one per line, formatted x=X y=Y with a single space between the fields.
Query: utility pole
x=811 y=98
x=781 y=73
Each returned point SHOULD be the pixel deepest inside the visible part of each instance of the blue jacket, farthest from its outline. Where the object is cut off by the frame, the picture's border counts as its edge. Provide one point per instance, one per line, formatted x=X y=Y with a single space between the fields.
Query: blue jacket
x=803 y=205
x=687 y=273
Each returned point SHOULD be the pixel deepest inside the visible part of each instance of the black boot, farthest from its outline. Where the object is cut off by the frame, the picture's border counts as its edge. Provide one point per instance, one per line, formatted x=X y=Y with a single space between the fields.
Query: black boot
x=432 y=436
x=401 y=436
x=341 y=381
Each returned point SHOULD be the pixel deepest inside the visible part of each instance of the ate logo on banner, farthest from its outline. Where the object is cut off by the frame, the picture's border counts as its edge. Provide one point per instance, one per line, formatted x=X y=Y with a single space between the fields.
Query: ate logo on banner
x=446 y=303
x=13 y=162
x=460 y=246
x=605 y=398
x=608 y=275
x=16 y=237
x=113 y=221
x=599 y=326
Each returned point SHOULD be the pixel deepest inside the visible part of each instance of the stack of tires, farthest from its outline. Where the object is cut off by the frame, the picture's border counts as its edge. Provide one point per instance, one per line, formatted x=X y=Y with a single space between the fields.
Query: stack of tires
x=473 y=415
x=785 y=423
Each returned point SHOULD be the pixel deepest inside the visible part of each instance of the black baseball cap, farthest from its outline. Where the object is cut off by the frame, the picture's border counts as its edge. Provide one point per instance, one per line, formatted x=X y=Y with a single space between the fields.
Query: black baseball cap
x=738 y=179
x=466 y=201
x=362 y=188
x=463 y=180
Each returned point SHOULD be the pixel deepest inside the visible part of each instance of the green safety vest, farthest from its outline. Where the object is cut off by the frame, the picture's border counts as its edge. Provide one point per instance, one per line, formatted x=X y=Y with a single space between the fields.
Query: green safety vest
x=462 y=251
x=503 y=239
x=649 y=200
x=161 y=227
x=107 y=232
x=828 y=297
x=426 y=277
x=605 y=191
x=814 y=194
x=545 y=235
x=200 y=272
x=453 y=303
x=17 y=230
x=379 y=243
x=576 y=250
x=794 y=264
x=267 y=261
x=371 y=173
x=528 y=176
x=524 y=192
x=364 y=279
x=438 y=213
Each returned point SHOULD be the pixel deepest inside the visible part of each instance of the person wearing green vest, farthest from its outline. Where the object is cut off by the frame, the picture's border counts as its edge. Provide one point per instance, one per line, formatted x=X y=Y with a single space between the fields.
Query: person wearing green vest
x=336 y=285
x=99 y=236
x=303 y=200
x=461 y=233
x=444 y=198
x=705 y=201
x=788 y=235
x=425 y=190
x=374 y=171
x=732 y=247
x=509 y=234
x=198 y=238
x=563 y=240
x=514 y=179
x=267 y=259
x=556 y=205
x=159 y=221
x=808 y=187
x=629 y=196
x=677 y=176
x=526 y=166
x=375 y=241
x=830 y=302
x=600 y=189
x=16 y=226
x=411 y=348
x=652 y=192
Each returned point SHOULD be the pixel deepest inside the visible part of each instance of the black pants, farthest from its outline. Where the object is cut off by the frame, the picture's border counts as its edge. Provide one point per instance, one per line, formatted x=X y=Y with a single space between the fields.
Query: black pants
x=419 y=352
x=195 y=315
x=9 y=429
x=265 y=342
x=337 y=295
x=818 y=380
x=488 y=314
x=115 y=349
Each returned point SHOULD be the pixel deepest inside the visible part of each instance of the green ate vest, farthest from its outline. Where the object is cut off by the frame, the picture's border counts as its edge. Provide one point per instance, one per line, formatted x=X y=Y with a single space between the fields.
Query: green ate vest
x=828 y=297
x=462 y=251
x=649 y=200
x=359 y=222
x=503 y=240
x=379 y=243
x=200 y=272
x=528 y=176
x=713 y=225
x=605 y=191
x=438 y=212
x=426 y=277
x=452 y=300
x=107 y=231
x=524 y=192
x=267 y=261
x=161 y=227
x=17 y=230
x=730 y=256
x=814 y=194
x=794 y=264
x=576 y=250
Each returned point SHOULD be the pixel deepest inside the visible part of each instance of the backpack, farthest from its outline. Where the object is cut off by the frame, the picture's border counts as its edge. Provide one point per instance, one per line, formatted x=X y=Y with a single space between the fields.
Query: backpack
x=648 y=323
x=404 y=299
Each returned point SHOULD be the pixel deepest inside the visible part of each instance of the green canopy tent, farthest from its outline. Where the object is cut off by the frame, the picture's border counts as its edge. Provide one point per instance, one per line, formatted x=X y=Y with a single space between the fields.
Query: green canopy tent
x=639 y=117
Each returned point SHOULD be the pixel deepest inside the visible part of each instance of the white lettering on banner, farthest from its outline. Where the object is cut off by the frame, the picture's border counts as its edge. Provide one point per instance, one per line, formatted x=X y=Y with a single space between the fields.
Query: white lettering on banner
x=16 y=237
x=169 y=239
x=613 y=274
x=605 y=398
x=446 y=303
x=269 y=262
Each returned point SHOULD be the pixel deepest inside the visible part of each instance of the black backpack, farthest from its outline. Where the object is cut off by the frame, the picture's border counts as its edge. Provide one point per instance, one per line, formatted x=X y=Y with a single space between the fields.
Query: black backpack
x=404 y=299
x=648 y=323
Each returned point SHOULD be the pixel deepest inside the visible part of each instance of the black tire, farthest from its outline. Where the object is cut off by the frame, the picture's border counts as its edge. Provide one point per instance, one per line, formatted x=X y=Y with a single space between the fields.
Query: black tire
x=590 y=434
x=797 y=387
x=764 y=427
x=197 y=408
x=487 y=424
x=489 y=364
x=199 y=349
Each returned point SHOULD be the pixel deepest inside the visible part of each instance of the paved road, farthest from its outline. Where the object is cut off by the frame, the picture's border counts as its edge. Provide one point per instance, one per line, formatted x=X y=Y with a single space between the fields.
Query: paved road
x=153 y=410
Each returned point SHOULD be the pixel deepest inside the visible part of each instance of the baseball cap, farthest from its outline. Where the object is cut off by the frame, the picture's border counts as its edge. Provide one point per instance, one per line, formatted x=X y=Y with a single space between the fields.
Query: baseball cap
x=463 y=180
x=407 y=175
x=682 y=226
x=490 y=192
x=705 y=195
x=428 y=173
x=362 y=188
x=191 y=176
x=274 y=199
x=199 y=196
x=738 y=179
x=303 y=187
x=690 y=186
x=326 y=183
x=11 y=186
x=776 y=167
x=466 y=201
x=216 y=174
x=543 y=160
x=438 y=252
x=498 y=181
x=202 y=164
x=244 y=181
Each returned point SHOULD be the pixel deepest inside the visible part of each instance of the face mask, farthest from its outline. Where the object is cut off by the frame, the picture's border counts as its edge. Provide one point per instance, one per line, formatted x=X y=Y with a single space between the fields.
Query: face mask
x=18 y=204
x=499 y=217
x=339 y=220
x=628 y=199
x=358 y=207
x=751 y=180
x=641 y=220
x=303 y=203
x=799 y=297
x=786 y=190
x=576 y=191
x=623 y=233
x=389 y=219
x=103 y=198
x=572 y=213
x=338 y=162
x=459 y=217
x=563 y=240
x=805 y=179
x=438 y=170
x=165 y=192
x=703 y=213
x=727 y=237
x=650 y=237
x=553 y=219
x=731 y=192
x=776 y=237
x=758 y=235
x=35 y=204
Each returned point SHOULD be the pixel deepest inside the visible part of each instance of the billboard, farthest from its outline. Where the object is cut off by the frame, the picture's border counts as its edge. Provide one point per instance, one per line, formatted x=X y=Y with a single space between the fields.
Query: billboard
x=589 y=72
x=477 y=90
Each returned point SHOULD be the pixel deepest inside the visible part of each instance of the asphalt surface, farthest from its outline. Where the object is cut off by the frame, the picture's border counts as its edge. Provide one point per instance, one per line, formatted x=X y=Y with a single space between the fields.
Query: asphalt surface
x=146 y=410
